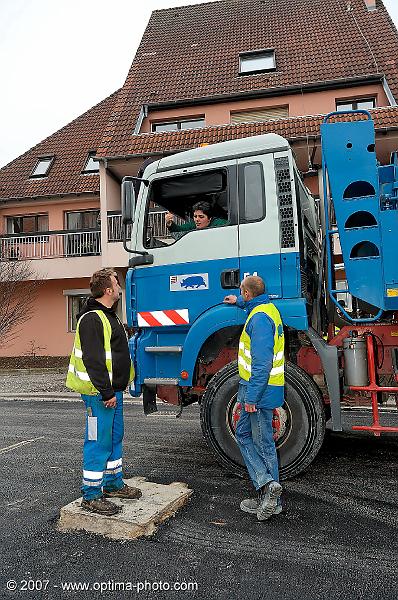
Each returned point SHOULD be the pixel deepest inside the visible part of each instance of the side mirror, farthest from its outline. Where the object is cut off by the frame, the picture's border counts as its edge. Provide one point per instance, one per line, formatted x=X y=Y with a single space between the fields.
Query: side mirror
x=128 y=200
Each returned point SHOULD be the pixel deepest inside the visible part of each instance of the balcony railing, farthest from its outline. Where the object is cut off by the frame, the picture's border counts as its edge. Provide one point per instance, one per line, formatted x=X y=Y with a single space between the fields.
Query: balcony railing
x=156 y=223
x=115 y=228
x=50 y=245
x=67 y=244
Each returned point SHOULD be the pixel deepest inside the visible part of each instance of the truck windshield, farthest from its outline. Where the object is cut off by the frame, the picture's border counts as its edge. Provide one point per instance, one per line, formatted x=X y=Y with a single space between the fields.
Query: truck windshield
x=178 y=205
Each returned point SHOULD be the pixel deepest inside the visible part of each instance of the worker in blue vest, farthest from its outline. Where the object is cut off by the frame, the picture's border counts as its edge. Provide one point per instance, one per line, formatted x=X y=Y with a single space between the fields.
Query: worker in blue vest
x=261 y=390
x=100 y=369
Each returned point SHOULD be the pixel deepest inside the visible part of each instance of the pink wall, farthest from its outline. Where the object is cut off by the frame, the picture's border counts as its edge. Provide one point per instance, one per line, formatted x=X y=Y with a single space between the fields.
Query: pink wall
x=311 y=103
x=55 y=210
x=48 y=326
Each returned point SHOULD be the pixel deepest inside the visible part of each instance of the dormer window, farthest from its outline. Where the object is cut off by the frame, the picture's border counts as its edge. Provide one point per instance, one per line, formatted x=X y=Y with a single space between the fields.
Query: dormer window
x=92 y=165
x=179 y=124
x=259 y=61
x=356 y=104
x=42 y=167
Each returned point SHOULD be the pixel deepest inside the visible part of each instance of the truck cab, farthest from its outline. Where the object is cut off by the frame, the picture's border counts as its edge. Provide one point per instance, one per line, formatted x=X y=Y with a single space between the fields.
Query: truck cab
x=264 y=222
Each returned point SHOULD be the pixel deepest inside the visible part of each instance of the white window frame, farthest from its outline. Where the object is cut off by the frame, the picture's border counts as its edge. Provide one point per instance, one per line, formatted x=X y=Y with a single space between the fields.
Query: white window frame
x=177 y=122
x=251 y=58
x=42 y=159
x=354 y=103
x=89 y=159
x=72 y=294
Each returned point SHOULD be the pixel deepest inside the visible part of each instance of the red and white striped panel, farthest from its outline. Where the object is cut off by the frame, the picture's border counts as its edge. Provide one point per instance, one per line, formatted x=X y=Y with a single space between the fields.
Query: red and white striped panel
x=161 y=318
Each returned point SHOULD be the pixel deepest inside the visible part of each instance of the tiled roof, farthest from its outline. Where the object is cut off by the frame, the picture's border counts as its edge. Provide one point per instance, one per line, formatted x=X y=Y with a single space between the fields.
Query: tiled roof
x=191 y=52
x=70 y=145
x=291 y=128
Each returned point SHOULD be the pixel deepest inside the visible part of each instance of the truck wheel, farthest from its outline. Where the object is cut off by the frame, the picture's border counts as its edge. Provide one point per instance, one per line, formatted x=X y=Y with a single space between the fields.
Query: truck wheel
x=299 y=423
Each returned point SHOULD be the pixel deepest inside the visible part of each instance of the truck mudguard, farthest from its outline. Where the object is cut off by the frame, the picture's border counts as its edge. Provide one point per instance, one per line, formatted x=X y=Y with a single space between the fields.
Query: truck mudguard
x=216 y=318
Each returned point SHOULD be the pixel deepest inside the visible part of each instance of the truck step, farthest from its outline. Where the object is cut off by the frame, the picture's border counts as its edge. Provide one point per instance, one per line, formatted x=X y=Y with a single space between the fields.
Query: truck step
x=161 y=381
x=161 y=349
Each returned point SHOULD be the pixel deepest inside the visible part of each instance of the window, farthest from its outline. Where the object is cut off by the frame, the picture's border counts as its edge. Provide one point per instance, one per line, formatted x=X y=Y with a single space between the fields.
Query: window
x=82 y=219
x=75 y=305
x=178 y=195
x=180 y=124
x=42 y=167
x=361 y=103
x=75 y=301
x=27 y=223
x=259 y=115
x=86 y=239
x=251 y=191
x=257 y=62
x=92 y=165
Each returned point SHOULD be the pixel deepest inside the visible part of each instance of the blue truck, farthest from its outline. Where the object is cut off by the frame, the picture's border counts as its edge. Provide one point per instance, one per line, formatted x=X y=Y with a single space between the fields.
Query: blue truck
x=329 y=267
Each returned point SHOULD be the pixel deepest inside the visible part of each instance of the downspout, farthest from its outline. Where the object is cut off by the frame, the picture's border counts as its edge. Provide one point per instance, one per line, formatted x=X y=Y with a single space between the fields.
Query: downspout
x=143 y=114
x=388 y=93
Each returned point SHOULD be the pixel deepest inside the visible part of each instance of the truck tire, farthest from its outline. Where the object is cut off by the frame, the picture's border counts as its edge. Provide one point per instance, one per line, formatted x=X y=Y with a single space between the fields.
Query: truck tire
x=303 y=417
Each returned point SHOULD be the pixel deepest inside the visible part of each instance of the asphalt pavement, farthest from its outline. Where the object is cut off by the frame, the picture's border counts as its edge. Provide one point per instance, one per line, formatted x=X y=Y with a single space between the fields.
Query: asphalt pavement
x=337 y=536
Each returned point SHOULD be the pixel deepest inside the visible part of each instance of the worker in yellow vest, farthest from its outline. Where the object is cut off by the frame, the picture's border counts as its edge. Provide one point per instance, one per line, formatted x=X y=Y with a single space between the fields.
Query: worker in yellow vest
x=261 y=390
x=100 y=369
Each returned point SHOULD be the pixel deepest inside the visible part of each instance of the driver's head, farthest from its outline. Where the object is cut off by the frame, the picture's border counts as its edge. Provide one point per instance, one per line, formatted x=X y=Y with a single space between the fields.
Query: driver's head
x=202 y=214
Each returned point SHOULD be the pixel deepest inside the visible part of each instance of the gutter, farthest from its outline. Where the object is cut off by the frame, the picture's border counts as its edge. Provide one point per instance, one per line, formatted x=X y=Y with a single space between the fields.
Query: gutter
x=269 y=92
x=127 y=157
x=49 y=196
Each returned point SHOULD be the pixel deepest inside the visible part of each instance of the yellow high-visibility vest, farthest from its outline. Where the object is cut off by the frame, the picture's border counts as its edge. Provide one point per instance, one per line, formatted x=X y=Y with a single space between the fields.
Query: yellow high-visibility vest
x=277 y=374
x=78 y=379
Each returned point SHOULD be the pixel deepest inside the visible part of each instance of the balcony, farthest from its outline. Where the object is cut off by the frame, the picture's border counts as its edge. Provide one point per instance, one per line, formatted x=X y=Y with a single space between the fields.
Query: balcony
x=71 y=244
x=54 y=244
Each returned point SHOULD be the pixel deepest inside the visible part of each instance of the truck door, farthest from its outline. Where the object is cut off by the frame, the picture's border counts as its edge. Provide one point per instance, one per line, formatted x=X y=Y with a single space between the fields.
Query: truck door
x=192 y=270
x=259 y=229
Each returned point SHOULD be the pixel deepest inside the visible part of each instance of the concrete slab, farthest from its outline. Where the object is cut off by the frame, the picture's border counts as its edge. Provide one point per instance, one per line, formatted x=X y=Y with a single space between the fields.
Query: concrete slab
x=137 y=518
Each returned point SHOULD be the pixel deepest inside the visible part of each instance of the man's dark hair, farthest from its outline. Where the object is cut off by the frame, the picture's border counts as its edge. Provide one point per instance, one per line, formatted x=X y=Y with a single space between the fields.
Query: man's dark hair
x=100 y=281
x=205 y=207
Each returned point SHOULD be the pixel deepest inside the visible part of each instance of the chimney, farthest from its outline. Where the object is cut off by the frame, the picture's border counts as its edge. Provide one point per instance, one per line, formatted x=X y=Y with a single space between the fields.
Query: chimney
x=370 y=5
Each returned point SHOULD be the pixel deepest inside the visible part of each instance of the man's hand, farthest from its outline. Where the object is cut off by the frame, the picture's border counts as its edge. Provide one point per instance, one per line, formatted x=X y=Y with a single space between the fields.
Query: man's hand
x=169 y=219
x=111 y=403
x=231 y=299
x=250 y=408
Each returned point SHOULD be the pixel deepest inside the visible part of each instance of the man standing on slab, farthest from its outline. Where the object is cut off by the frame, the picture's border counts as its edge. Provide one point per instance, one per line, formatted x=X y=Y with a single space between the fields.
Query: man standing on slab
x=100 y=370
x=261 y=390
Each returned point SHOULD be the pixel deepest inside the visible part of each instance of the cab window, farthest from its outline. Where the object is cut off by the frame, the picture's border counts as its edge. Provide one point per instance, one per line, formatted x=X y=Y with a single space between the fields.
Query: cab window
x=186 y=204
x=251 y=192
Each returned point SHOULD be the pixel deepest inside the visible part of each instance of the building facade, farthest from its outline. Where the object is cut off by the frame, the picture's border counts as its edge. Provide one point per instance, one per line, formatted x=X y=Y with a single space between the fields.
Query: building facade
x=202 y=74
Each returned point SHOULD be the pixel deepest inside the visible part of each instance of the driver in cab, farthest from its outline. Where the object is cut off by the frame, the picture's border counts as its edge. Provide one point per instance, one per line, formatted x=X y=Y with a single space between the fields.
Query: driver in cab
x=202 y=219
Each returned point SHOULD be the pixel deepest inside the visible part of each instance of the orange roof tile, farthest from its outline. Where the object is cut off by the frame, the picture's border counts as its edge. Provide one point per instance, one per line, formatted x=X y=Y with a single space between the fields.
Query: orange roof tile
x=191 y=52
x=70 y=146
x=291 y=128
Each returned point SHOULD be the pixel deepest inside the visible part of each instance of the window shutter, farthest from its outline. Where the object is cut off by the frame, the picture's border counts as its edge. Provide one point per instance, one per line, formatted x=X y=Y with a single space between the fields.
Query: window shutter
x=263 y=114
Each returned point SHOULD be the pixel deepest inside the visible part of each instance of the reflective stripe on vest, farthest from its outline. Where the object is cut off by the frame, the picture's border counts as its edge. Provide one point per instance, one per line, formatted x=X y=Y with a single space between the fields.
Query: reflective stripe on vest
x=78 y=379
x=277 y=374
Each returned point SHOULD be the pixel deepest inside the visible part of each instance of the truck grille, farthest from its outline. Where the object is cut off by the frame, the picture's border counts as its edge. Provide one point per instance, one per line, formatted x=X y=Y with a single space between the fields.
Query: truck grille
x=285 y=202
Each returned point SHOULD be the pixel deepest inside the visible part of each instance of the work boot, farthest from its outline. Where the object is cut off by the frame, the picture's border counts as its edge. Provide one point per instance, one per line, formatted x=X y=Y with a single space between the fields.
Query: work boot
x=269 y=495
x=126 y=492
x=250 y=505
x=100 y=506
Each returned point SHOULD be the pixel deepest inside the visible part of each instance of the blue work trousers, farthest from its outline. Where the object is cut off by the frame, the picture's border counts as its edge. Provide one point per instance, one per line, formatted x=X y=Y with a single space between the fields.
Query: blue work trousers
x=102 y=450
x=254 y=434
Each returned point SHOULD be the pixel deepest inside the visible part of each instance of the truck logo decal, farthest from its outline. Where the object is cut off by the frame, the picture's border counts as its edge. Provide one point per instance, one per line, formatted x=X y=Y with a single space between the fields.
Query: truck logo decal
x=191 y=282
x=163 y=318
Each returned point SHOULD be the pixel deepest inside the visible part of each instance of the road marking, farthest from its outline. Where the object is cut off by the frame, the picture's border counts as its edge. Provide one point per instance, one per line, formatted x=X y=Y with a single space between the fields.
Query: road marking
x=24 y=443
x=16 y=502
